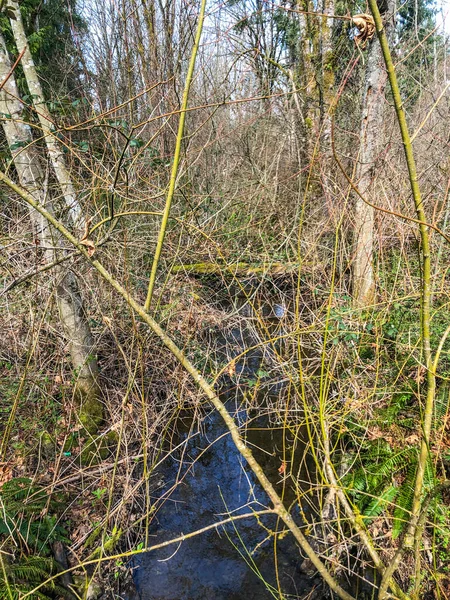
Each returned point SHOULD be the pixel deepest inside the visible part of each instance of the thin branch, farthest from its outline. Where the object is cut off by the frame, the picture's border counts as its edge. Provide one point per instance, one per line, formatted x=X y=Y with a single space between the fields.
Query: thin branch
x=13 y=68
x=178 y=540
x=176 y=158
x=408 y=539
x=387 y=211
x=202 y=383
x=34 y=272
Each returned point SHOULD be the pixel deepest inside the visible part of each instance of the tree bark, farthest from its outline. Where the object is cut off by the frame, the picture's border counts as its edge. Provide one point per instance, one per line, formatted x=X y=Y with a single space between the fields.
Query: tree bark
x=54 y=151
x=371 y=126
x=327 y=71
x=73 y=317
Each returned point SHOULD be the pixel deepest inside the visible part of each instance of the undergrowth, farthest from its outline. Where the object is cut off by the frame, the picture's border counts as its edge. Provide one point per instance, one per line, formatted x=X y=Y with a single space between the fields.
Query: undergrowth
x=29 y=524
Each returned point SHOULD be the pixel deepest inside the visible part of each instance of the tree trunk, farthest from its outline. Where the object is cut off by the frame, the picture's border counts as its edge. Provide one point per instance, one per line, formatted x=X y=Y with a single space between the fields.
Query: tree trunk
x=302 y=75
x=327 y=71
x=35 y=89
x=371 y=126
x=26 y=161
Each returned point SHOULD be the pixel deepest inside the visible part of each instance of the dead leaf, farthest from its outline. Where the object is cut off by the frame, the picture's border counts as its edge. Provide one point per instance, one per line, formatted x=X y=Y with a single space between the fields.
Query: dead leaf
x=86 y=241
x=231 y=369
x=5 y=473
x=375 y=433
x=86 y=230
x=412 y=439
x=366 y=28
x=282 y=468
x=421 y=372
x=89 y=245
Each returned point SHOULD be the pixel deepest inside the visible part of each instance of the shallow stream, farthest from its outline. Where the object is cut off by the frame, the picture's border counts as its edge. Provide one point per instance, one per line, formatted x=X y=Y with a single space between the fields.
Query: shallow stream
x=206 y=480
x=232 y=562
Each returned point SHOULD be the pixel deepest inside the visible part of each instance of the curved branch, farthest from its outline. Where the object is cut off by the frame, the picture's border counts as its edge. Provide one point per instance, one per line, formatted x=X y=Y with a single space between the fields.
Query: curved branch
x=34 y=272
x=202 y=383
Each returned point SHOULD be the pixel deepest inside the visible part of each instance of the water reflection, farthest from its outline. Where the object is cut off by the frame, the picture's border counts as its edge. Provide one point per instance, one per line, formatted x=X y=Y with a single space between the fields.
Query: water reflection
x=231 y=562
x=206 y=480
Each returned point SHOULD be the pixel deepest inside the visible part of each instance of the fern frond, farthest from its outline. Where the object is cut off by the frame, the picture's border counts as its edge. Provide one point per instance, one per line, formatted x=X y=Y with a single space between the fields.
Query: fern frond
x=404 y=501
x=392 y=464
x=26 y=574
x=22 y=518
x=442 y=405
x=378 y=505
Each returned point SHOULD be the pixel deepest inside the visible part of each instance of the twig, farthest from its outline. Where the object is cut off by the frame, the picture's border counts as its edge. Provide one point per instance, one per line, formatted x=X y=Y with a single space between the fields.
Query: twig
x=34 y=272
x=176 y=158
x=202 y=383
x=408 y=539
x=13 y=68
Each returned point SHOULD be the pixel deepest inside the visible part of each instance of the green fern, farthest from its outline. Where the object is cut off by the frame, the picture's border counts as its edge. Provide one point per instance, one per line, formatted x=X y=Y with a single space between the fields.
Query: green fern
x=28 y=525
x=397 y=404
x=372 y=487
x=405 y=497
x=378 y=465
x=381 y=503
x=21 y=494
x=372 y=483
x=441 y=406
x=27 y=516
x=404 y=501
x=24 y=575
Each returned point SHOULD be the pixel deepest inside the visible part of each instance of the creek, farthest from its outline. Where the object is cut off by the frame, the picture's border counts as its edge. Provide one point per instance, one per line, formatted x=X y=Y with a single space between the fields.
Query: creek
x=206 y=480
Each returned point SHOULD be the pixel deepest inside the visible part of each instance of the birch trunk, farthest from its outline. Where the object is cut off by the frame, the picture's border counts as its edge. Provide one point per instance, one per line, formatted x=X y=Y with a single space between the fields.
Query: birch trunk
x=54 y=151
x=26 y=162
x=371 y=125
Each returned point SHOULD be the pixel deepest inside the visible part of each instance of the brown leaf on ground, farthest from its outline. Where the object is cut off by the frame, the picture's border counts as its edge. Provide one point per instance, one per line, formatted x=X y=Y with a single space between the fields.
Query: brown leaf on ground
x=5 y=473
x=376 y=433
x=412 y=439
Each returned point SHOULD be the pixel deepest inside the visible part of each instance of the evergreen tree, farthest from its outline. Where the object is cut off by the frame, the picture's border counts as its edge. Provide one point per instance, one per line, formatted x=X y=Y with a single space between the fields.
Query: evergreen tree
x=415 y=23
x=51 y=27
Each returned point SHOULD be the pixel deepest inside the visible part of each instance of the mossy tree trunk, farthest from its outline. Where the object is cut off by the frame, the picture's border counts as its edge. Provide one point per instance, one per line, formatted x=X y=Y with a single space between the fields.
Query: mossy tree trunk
x=73 y=317
x=302 y=57
x=327 y=67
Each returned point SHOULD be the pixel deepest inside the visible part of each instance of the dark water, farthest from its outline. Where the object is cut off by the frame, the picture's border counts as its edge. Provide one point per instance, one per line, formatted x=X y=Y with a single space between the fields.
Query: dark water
x=232 y=562
x=206 y=480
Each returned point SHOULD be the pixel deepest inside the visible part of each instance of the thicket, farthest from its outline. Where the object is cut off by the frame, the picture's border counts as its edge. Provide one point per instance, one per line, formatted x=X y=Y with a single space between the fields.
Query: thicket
x=259 y=215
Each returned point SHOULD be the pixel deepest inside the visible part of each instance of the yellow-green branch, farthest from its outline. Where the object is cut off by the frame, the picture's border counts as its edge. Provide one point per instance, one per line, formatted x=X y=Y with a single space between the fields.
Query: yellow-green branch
x=176 y=158
x=425 y=297
x=203 y=384
x=239 y=269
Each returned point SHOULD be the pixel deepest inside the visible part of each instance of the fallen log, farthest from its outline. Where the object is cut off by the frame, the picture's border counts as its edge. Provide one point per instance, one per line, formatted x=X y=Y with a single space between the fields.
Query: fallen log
x=239 y=269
